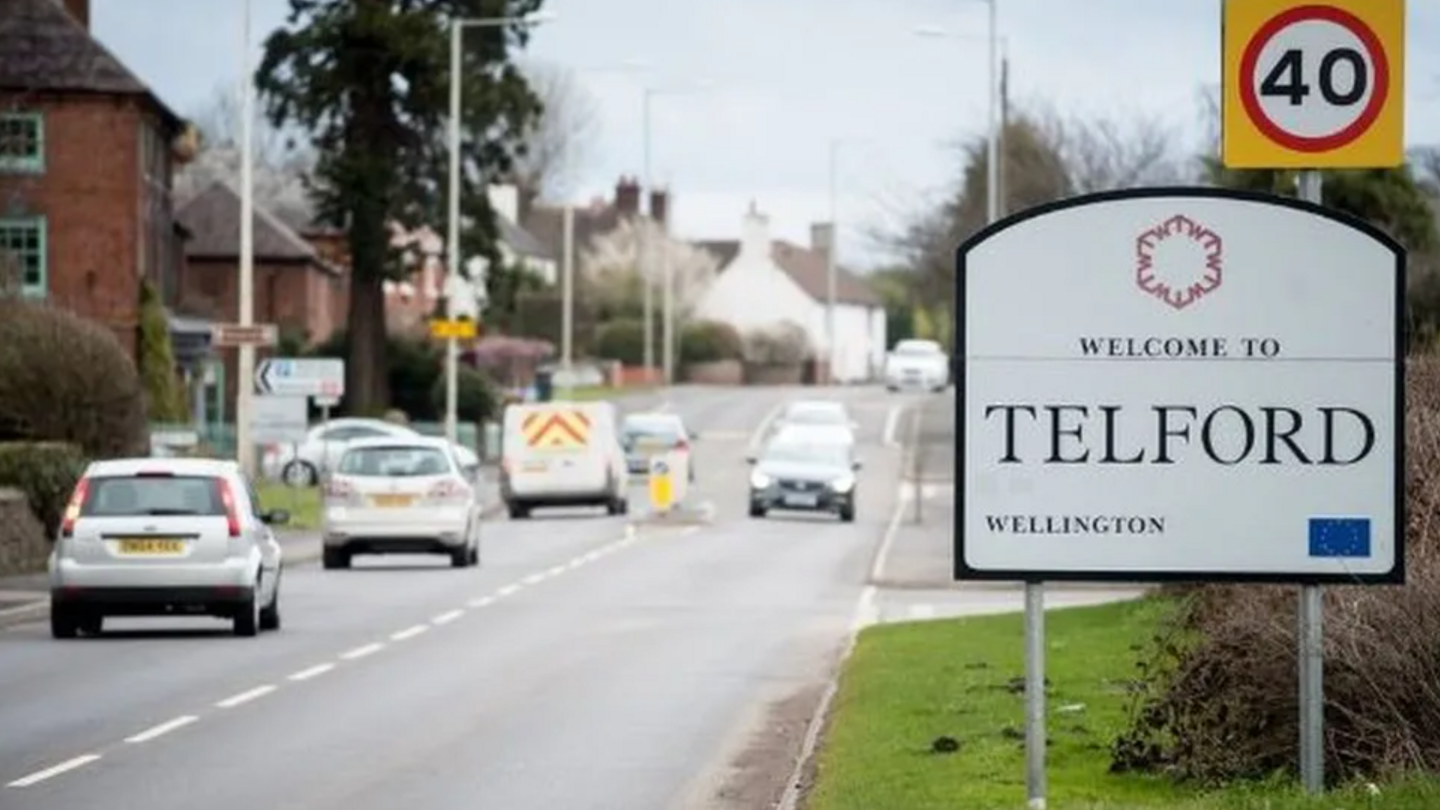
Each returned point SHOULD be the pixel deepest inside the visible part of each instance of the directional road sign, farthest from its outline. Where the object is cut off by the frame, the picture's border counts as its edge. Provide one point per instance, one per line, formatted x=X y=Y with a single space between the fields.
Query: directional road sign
x=279 y=419
x=1313 y=84
x=227 y=335
x=301 y=376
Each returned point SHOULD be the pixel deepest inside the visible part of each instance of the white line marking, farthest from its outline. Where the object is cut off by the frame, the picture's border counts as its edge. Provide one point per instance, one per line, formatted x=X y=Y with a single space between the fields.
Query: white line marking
x=447 y=617
x=164 y=728
x=575 y=563
x=758 y=436
x=481 y=602
x=361 y=652
x=534 y=579
x=556 y=571
x=506 y=591
x=892 y=421
x=877 y=568
x=245 y=697
x=409 y=632
x=55 y=770
x=307 y=674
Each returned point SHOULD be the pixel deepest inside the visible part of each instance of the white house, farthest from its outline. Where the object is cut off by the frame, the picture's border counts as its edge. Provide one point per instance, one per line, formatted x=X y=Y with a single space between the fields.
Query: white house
x=763 y=281
x=517 y=245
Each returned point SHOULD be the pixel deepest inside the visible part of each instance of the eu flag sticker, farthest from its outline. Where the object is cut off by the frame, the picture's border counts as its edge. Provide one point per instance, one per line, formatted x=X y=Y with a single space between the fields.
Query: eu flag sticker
x=1339 y=537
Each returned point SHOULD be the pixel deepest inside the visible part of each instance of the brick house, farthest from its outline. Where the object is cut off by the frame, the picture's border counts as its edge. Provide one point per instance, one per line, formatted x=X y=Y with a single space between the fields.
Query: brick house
x=87 y=158
x=296 y=287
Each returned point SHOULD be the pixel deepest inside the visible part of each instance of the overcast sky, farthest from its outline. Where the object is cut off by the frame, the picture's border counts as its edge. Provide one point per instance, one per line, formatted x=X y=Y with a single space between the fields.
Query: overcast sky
x=786 y=76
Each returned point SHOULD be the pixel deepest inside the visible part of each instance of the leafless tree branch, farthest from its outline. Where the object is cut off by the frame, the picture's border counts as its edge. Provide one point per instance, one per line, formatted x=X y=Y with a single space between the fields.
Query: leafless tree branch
x=562 y=140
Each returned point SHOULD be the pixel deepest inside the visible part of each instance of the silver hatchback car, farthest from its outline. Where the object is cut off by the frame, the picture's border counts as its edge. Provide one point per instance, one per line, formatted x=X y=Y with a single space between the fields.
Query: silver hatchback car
x=165 y=536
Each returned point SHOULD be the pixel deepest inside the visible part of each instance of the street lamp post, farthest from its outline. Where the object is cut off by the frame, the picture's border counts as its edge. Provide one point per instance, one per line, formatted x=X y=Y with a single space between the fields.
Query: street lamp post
x=830 y=259
x=992 y=147
x=245 y=362
x=452 y=242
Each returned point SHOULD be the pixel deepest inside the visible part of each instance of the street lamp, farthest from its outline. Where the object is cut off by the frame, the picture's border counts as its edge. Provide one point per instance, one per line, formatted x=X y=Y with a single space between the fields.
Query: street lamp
x=245 y=362
x=992 y=157
x=647 y=251
x=567 y=259
x=831 y=261
x=452 y=247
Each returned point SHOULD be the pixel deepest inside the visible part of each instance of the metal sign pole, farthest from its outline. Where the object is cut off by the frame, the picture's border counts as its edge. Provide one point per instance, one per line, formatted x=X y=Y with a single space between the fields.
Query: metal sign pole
x=1311 y=635
x=1035 y=694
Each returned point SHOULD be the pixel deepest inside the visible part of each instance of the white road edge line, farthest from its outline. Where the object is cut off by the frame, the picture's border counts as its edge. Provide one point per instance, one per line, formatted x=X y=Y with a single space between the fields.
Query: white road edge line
x=865 y=614
x=361 y=652
x=54 y=770
x=506 y=591
x=447 y=617
x=882 y=555
x=534 y=579
x=307 y=674
x=892 y=421
x=409 y=632
x=555 y=571
x=164 y=728
x=575 y=563
x=245 y=697
x=480 y=602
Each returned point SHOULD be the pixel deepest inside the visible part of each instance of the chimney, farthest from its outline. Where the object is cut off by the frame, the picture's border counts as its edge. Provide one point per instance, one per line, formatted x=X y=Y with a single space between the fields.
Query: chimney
x=755 y=233
x=505 y=200
x=627 y=196
x=822 y=238
x=79 y=9
x=660 y=207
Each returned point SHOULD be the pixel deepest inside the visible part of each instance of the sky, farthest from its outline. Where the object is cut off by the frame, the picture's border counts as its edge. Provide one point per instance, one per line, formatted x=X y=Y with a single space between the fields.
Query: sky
x=760 y=89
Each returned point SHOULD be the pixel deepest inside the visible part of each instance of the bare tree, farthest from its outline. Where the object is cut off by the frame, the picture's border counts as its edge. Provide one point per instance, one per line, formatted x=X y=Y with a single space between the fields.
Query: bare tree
x=610 y=265
x=219 y=120
x=1102 y=153
x=562 y=140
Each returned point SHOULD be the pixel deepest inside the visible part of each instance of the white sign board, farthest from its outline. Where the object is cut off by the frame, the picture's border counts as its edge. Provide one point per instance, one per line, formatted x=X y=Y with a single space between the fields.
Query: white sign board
x=1181 y=384
x=301 y=376
x=279 y=419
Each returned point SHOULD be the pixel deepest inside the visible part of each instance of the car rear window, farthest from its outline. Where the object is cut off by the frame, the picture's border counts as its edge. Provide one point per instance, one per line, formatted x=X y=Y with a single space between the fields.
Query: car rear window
x=135 y=496
x=394 y=462
x=666 y=431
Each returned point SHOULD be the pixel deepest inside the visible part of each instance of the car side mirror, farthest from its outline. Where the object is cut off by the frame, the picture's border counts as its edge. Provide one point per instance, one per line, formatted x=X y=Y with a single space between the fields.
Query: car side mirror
x=275 y=517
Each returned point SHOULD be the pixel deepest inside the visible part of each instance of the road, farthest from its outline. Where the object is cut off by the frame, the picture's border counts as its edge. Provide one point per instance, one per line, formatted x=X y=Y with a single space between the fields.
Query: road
x=588 y=663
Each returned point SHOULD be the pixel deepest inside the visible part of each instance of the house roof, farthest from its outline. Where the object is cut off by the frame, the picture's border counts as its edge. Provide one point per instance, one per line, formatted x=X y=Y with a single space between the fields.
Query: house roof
x=44 y=49
x=807 y=268
x=213 y=216
x=547 y=225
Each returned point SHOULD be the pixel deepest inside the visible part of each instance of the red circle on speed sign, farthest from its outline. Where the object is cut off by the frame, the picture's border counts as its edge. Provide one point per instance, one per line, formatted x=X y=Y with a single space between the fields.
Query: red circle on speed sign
x=1352 y=127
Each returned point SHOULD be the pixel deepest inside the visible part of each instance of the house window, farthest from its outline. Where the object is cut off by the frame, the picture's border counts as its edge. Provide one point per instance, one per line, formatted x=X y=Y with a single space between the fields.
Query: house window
x=23 y=255
x=22 y=142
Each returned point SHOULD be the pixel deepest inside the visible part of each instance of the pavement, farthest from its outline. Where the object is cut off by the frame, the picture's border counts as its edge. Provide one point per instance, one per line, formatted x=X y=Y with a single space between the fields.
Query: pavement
x=589 y=662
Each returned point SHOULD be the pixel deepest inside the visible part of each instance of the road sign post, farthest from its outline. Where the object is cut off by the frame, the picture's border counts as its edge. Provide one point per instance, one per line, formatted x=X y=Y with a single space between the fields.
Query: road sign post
x=1209 y=389
x=1313 y=84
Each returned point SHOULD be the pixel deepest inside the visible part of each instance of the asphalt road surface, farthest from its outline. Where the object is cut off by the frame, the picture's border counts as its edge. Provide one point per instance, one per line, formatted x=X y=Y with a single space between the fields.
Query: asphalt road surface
x=588 y=663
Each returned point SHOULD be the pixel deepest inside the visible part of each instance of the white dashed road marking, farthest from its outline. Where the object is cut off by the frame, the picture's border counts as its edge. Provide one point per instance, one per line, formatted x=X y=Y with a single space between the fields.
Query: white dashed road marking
x=56 y=770
x=361 y=652
x=409 y=632
x=307 y=674
x=164 y=728
x=245 y=697
x=242 y=698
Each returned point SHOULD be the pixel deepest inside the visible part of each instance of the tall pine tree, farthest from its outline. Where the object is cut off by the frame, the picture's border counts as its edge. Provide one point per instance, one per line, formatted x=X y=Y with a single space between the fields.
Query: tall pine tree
x=369 y=80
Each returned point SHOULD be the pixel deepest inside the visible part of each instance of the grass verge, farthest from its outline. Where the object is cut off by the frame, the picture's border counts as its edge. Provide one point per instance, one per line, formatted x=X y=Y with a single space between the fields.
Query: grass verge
x=303 y=503
x=906 y=685
x=593 y=393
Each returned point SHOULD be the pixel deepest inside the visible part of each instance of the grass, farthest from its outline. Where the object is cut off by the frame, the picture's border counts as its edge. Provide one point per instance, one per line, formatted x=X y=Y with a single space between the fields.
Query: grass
x=592 y=393
x=908 y=684
x=303 y=503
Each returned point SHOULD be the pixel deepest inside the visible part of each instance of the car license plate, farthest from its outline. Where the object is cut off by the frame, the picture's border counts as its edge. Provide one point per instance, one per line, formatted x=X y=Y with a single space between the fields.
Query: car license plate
x=794 y=499
x=392 y=501
x=149 y=546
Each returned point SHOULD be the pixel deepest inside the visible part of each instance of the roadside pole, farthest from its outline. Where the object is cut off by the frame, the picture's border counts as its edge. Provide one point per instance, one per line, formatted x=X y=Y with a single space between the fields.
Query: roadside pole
x=1311 y=632
x=567 y=286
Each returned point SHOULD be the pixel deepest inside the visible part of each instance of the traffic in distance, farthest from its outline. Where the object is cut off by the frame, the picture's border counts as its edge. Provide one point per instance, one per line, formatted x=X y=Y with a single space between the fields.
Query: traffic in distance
x=174 y=536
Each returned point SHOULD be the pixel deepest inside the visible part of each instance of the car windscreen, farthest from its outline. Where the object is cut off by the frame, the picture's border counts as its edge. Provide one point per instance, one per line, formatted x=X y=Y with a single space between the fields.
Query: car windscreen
x=394 y=461
x=807 y=453
x=136 y=496
x=917 y=349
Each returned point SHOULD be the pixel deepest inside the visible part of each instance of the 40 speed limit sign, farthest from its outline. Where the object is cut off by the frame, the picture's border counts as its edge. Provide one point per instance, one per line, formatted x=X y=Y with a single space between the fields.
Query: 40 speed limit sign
x=1313 y=85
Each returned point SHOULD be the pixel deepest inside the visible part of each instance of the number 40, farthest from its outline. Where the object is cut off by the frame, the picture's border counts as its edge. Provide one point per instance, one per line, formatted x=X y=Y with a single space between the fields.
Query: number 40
x=1287 y=78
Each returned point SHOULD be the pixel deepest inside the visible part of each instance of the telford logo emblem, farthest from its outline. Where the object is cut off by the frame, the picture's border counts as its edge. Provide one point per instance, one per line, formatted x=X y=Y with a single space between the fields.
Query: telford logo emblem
x=1178 y=261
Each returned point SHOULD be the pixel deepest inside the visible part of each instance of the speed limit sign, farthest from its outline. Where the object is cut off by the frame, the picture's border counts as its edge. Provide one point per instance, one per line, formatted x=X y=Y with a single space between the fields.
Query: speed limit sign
x=1313 y=85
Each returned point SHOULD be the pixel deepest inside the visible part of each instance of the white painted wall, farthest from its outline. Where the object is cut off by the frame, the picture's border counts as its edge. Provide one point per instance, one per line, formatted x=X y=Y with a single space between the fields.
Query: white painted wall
x=505 y=200
x=754 y=292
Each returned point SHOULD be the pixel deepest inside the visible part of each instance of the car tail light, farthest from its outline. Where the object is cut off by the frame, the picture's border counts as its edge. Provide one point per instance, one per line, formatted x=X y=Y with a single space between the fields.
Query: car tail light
x=681 y=444
x=449 y=490
x=337 y=489
x=72 y=508
x=232 y=510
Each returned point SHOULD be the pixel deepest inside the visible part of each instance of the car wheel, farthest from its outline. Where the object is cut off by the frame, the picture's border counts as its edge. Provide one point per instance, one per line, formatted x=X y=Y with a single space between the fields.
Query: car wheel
x=299 y=474
x=63 y=622
x=475 y=552
x=460 y=557
x=847 y=514
x=247 y=616
x=270 y=614
x=518 y=511
x=332 y=558
x=757 y=511
x=92 y=623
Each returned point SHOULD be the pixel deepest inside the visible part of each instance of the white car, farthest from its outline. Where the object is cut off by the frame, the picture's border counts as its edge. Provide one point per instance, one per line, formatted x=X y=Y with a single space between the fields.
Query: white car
x=303 y=465
x=400 y=495
x=917 y=364
x=164 y=537
x=815 y=412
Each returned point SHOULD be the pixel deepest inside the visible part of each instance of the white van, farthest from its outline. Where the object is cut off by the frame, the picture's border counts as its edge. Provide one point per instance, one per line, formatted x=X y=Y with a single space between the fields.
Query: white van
x=562 y=454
